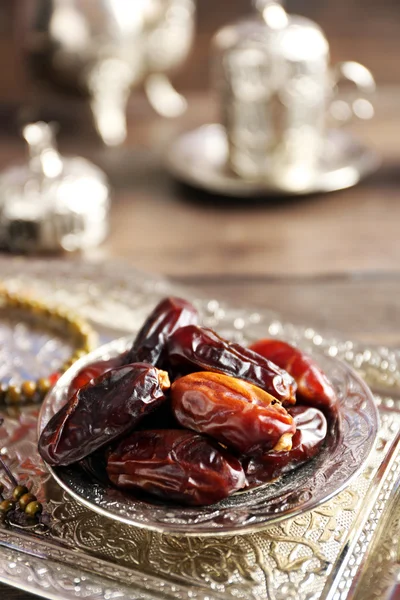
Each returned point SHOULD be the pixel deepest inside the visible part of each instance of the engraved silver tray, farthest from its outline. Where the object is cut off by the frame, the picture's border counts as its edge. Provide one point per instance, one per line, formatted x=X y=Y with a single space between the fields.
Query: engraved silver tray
x=324 y=553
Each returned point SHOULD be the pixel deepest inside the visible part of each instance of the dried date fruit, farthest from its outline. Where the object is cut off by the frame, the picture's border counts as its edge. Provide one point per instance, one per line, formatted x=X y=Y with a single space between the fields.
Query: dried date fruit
x=311 y=431
x=94 y=370
x=313 y=387
x=201 y=349
x=104 y=411
x=168 y=316
x=232 y=411
x=176 y=465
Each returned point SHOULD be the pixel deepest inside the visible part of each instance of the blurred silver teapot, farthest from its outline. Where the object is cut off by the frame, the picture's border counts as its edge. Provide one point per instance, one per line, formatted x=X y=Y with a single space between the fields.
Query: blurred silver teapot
x=104 y=48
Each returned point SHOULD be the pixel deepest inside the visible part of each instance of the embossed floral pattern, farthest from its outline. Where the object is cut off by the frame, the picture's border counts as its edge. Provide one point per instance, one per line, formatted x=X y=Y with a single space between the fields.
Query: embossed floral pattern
x=89 y=556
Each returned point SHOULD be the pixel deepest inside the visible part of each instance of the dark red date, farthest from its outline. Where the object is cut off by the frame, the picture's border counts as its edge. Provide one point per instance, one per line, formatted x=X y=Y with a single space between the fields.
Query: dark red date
x=175 y=465
x=201 y=349
x=94 y=370
x=311 y=431
x=102 y=412
x=313 y=387
x=232 y=411
x=168 y=316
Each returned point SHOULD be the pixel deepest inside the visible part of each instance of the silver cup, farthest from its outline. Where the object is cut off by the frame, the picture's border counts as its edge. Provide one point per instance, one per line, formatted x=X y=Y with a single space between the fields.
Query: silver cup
x=278 y=97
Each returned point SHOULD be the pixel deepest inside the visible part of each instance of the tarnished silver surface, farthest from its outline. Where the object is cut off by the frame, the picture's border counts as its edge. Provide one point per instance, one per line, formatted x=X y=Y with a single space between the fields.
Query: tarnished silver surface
x=318 y=555
x=293 y=494
x=105 y=47
x=200 y=158
x=52 y=203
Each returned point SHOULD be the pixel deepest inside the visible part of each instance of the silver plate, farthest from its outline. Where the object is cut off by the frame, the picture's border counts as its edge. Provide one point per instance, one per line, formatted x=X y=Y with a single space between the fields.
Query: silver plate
x=293 y=494
x=199 y=158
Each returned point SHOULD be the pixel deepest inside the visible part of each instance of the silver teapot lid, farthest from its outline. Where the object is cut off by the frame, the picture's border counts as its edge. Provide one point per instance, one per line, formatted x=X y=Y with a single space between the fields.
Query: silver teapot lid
x=51 y=202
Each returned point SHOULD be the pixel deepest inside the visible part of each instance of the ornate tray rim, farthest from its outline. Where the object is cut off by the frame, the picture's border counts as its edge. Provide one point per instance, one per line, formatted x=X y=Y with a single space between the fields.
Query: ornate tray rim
x=121 y=344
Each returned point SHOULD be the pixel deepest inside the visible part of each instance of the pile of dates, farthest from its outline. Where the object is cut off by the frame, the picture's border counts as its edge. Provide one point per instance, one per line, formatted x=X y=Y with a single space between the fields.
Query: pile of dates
x=190 y=417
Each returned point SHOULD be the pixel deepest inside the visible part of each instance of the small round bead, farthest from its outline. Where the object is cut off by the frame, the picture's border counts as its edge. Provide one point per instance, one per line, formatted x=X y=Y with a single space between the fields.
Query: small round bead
x=12 y=301
x=87 y=346
x=6 y=506
x=91 y=341
x=62 y=314
x=13 y=394
x=61 y=318
x=47 y=311
x=19 y=491
x=26 y=499
x=85 y=330
x=28 y=389
x=43 y=385
x=75 y=328
x=33 y=509
x=78 y=323
x=35 y=307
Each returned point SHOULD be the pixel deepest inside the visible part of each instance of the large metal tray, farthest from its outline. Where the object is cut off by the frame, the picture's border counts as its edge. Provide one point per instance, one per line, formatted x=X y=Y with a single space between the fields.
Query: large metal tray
x=321 y=554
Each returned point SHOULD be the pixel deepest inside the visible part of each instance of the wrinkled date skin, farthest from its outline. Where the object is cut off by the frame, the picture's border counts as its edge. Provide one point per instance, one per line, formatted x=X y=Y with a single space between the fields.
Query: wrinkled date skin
x=201 y=349
x=311 y=431
x=313 y=387
x=234 y=412
x=175 y=465
x=168 y=316
x=94 y=370
x=101 y=412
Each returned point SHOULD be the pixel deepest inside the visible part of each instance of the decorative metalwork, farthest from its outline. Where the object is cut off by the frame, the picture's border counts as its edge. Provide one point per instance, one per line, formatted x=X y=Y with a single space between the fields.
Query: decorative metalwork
x=83 y=554
x=275 y=85
x=44 y=203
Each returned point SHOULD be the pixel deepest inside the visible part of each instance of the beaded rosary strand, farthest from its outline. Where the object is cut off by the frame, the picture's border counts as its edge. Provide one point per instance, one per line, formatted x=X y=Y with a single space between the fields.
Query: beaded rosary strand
x=83 y=336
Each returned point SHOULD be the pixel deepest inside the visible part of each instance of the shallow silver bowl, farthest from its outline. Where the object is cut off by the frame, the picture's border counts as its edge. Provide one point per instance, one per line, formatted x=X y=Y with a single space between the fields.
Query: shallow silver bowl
x=339 y=462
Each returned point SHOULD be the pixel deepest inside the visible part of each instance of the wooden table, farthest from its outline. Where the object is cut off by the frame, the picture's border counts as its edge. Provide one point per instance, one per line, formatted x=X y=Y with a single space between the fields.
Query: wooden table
x=161 y=227
x=157 y=226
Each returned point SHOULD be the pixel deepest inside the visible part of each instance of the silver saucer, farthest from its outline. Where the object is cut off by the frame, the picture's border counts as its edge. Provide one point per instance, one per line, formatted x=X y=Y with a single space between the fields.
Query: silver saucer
x=199 y=158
